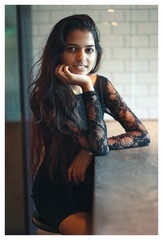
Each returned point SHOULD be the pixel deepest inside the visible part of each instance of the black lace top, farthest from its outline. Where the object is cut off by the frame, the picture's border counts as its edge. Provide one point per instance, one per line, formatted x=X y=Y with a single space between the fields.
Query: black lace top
x=92 y=105
x=90 y=132
x=90 y=135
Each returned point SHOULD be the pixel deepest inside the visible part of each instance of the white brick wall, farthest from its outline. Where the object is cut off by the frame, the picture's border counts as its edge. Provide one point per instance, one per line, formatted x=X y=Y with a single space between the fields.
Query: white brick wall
x=130 y=47
x=137 y=40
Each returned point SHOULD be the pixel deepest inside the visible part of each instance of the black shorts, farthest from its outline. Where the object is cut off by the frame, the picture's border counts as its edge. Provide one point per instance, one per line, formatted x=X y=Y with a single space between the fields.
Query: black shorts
x=54 y=208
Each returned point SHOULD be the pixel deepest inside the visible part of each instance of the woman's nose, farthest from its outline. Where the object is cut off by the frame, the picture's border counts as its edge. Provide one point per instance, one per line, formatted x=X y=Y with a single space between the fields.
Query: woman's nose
x=80 y=55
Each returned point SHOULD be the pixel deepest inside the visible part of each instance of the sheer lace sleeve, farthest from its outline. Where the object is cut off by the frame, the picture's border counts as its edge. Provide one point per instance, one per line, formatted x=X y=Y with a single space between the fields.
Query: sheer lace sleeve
x=136 y=134
x=94 y=137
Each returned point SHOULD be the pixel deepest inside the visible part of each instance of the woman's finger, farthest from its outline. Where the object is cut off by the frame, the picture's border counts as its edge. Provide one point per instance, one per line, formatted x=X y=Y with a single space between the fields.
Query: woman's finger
x=75 y=177
x=68 y=73
x=70 y=170
x=58 y=68
x=61 y=74
x=82 y=173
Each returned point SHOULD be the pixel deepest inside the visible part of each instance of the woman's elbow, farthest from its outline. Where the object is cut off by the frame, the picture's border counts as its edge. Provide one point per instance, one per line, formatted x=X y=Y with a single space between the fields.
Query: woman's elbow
x=144 y=139
x=147 y=139
x=101 y=151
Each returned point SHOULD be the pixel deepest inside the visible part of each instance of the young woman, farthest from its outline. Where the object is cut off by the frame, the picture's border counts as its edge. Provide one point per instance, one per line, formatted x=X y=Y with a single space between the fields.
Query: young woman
x=68 y=128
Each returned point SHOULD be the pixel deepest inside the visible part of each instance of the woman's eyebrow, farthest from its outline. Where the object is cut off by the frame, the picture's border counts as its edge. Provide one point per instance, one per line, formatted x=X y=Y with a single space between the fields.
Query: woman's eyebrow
x=73 y=44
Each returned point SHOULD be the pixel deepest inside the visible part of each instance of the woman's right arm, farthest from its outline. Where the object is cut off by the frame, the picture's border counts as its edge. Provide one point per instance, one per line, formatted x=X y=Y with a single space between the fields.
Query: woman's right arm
x=94 y=139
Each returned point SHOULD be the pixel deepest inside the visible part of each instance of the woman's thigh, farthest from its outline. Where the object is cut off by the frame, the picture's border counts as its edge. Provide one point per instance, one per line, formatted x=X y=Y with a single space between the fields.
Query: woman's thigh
x=75 y=224
x=59 y=210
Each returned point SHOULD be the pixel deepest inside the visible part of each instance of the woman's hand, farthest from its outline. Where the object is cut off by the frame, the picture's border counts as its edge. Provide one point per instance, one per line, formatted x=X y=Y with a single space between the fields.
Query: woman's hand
x=79 y=165
x=84 y=81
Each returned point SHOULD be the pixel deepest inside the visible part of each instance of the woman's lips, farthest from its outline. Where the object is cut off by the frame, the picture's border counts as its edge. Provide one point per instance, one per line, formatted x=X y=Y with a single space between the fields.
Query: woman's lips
x=80 y=68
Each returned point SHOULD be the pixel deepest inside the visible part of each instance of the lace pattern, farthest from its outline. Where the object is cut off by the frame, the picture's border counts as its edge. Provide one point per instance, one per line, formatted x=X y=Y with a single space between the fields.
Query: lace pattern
x=93 y=134
x=136 y=134
x=96 y=129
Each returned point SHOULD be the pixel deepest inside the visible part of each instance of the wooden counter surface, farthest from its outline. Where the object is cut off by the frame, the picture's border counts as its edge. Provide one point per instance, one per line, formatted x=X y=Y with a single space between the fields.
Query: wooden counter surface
x=125 y=188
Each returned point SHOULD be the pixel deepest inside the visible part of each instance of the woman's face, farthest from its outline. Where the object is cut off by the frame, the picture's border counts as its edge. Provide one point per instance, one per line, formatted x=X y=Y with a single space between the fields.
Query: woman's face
x=80 y=52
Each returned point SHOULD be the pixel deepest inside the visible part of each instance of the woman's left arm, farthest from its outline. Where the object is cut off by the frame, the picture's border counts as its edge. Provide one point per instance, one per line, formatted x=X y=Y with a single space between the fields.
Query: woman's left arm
x=136 y=134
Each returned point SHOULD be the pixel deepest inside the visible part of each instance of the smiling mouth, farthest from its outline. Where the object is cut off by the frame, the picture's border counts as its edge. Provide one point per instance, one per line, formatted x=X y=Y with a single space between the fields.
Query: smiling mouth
x=80 y=67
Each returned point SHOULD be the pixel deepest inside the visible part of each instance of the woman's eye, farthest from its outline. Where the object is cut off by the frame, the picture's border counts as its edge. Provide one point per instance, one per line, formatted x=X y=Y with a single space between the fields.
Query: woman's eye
x=90 y=50
x=71 y=49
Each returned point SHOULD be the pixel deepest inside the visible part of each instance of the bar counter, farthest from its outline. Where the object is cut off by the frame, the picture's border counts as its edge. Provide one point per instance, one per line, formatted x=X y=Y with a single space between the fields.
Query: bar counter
x=126 y=188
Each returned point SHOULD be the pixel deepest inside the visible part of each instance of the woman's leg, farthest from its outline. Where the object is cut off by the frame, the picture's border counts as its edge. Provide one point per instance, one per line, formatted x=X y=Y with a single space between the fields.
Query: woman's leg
x=75 y=224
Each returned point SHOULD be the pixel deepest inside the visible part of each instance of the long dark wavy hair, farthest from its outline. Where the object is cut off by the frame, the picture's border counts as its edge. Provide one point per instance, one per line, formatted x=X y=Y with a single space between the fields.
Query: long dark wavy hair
x=51 y=100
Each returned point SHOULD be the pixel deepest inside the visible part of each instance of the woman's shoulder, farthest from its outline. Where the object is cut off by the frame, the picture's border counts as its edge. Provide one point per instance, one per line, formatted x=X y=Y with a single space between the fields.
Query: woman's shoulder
x=99 y=79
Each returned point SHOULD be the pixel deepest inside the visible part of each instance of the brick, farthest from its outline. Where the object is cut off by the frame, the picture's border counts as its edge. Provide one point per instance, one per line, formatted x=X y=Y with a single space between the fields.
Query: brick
x=153 y=90
x=147 y=53
x=44 y=29
x=153 y=66
x=123 y=7
x=127 y=89
x=49 y=7
x=74 y=7
x=136 y=65
x=115 y=65
x=148 y=78
x=136 y=89
x=153 y=40
x=153 y=113
x=153 y=15
x=147 y=28
x=146 y=7
x=38 y=42
x=34 y=30
x=136 y=15
x=141 y=113
x=58 y=15
x=98 y=7
x=40 y=17
x=116 y=16
x=136 y=41
x=104 y=68
x=112 y=66
x=107 y=53
x=123 y=53
x=34 y=7
x=146 y=101
x=122 y=78
x=123 y=28
x=112 y=41
x=104 y=29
